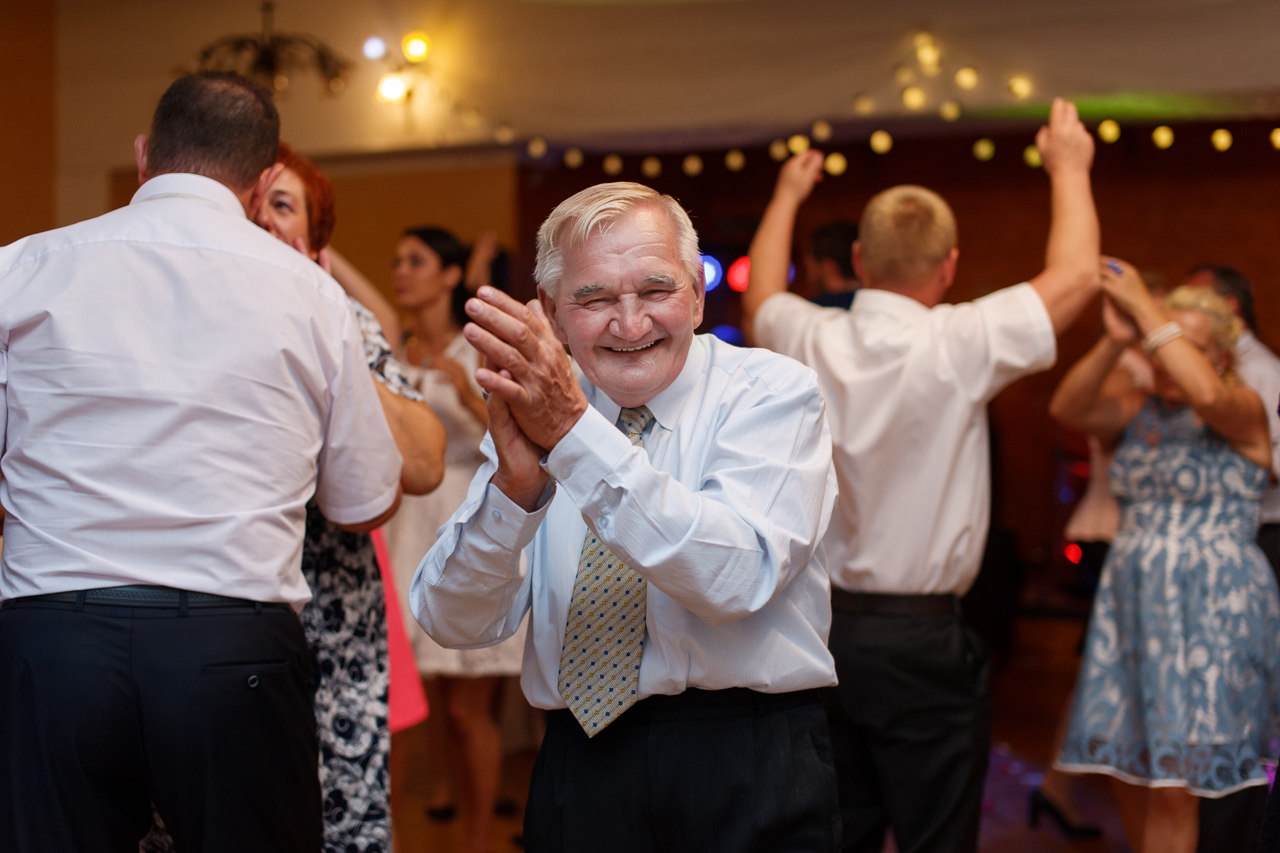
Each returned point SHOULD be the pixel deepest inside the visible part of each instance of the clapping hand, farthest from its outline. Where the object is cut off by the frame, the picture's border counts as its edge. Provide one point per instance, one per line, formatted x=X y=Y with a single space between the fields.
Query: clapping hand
x=1125 y=288
x=530 y=369
x=1118 y=326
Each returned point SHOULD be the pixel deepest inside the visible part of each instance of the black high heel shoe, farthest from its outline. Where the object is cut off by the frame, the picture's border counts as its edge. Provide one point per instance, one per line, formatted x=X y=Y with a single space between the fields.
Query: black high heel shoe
x=1038 y=803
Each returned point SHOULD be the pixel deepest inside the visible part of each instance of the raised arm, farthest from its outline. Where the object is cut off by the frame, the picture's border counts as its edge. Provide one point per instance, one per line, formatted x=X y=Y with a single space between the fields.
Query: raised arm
x=478 y=264
x=1070 y=277
x=1236 y=411
x=1094 y=397
x=362 y=290
x=771 y=248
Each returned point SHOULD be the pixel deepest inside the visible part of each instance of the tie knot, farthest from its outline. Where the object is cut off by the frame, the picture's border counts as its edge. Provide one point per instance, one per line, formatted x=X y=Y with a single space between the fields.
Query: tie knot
x=633 y=422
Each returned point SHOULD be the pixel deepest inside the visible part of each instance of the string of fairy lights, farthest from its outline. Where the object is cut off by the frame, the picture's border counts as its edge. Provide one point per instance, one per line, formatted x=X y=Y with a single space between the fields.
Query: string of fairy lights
x=915 y=83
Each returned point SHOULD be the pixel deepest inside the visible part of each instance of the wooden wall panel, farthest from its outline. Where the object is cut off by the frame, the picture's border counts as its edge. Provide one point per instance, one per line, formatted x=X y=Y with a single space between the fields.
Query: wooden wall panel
x=28 y=140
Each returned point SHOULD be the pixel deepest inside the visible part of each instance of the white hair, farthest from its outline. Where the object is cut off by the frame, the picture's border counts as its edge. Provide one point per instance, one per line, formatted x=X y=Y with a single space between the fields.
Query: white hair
x=594 y=210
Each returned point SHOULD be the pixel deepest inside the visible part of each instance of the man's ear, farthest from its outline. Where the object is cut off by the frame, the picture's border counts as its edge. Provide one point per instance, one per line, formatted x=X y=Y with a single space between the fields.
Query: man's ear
x=832 y=275
x=949 y=268
x=550 y=308
x=140 y=155
x=260 y=189
x=857 y=260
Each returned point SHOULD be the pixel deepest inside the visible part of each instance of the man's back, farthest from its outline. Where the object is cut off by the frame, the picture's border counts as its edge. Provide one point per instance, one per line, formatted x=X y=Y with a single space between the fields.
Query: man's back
x=906 y=389
x=169 y=379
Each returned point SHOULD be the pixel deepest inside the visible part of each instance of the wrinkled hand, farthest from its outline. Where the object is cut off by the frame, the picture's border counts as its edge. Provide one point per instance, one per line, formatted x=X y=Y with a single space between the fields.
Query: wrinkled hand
x=529 y=370
x=1119 y=327
x=519 y=475
x=1065 y=145
x=1126 y=289
x=799 y=176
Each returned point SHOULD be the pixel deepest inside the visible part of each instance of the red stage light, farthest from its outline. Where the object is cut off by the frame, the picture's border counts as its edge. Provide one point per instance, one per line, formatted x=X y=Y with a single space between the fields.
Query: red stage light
x=739 y=273
x=1073 y=552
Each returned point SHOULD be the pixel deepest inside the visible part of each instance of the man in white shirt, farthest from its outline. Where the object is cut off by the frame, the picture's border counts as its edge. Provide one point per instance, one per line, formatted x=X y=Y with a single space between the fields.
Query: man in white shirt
x=177 y=383
x=686 y=536
x=907 y=381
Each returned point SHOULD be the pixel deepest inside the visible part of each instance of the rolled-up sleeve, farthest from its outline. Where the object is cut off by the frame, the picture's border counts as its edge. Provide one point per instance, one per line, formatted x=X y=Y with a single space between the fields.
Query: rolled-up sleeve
x=727 y=548
x=472 y=588
x=358 y=465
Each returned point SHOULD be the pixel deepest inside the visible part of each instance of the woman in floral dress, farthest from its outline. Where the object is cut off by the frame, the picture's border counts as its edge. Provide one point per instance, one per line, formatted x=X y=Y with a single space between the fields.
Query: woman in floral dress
x=1179 y=693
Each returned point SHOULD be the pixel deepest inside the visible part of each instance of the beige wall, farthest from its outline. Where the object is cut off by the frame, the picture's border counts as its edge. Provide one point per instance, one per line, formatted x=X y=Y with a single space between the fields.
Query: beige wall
x=27 y=127
x=379 y=196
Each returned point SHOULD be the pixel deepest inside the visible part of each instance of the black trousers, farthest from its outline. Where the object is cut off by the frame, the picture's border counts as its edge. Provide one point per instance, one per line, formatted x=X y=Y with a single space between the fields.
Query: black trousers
x=701 y=771
x=911 y=729
x=107 y=709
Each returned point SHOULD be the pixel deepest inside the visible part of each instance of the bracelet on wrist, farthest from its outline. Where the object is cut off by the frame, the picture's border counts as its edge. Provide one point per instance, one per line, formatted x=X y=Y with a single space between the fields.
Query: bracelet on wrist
x=1161 y=336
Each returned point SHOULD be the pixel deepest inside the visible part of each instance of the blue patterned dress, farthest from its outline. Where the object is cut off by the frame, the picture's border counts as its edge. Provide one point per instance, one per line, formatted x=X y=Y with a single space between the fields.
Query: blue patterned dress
x=1180 y=684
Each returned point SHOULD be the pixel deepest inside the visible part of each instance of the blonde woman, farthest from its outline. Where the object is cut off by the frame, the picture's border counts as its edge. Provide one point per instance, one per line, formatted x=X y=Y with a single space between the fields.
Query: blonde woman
x=1177 y=695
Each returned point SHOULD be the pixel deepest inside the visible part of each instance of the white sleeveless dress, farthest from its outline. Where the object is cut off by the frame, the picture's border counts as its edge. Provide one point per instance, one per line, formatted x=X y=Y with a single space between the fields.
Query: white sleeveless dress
x=412 y=531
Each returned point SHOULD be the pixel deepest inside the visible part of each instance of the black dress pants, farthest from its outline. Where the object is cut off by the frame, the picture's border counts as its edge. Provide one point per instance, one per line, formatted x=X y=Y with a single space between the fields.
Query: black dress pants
x=701 y=772
x=911 y=730
x=107 y=709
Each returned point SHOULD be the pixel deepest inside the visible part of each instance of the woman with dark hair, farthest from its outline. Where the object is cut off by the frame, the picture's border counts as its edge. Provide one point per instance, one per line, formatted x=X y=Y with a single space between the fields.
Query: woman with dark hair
x=346 y=621
x=433 y=282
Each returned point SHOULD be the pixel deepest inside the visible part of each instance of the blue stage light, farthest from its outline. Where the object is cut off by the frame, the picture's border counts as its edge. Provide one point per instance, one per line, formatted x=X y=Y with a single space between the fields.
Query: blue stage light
x=730 y=335
x=712 y=270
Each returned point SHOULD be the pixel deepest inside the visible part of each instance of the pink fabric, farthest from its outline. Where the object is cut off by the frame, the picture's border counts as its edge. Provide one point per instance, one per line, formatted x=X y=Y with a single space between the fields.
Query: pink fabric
x=406 y=700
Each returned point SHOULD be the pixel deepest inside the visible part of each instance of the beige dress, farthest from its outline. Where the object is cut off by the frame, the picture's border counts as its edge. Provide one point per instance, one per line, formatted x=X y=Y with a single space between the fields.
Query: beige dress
x=412 y=531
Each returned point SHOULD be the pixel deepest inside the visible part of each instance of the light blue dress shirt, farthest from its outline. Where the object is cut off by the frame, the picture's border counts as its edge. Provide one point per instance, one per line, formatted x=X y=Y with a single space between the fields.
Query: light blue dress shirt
x=723 y=511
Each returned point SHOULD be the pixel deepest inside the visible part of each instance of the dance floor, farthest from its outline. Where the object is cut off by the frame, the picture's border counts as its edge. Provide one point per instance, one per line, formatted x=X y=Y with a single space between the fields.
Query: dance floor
x=1029 y=692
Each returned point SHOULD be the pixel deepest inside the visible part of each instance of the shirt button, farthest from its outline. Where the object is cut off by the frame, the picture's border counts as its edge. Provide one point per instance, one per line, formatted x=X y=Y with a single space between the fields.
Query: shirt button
x=497 y=515
x=568 y=472
x=253 y=681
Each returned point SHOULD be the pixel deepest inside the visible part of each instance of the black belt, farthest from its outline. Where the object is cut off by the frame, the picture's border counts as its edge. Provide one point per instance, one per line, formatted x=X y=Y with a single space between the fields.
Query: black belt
x=144 y=596
x=945 y=604
x=698 y=704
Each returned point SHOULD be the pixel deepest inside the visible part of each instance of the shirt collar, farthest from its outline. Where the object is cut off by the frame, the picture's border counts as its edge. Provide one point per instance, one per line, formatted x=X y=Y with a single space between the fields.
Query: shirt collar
x=186 y=185
x=670 y=402
x=888 y=302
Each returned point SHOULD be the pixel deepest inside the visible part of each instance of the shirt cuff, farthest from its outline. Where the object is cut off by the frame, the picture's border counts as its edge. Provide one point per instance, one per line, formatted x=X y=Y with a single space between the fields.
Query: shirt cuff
x=503 y=520
x=591 y=453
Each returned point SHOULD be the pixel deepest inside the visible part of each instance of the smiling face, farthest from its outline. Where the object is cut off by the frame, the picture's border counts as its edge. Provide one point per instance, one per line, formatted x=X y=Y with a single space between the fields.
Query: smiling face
x=420 y=278
x=284 y=213
x=626 y=306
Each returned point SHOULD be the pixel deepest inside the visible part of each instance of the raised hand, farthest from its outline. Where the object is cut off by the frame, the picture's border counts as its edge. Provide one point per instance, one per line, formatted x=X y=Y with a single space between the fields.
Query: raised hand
x=1065 y=145
x=1124 y=286
x=530 y=369
x=799 y=176
x=482 y=255
x=1118 y=326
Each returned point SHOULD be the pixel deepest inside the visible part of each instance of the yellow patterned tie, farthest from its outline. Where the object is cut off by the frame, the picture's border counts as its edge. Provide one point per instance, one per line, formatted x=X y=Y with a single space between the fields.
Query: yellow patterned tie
x=603 y=642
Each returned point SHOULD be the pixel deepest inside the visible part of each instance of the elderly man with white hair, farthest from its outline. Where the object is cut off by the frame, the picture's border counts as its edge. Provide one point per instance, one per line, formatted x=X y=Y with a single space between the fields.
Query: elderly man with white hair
x=661 y=519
